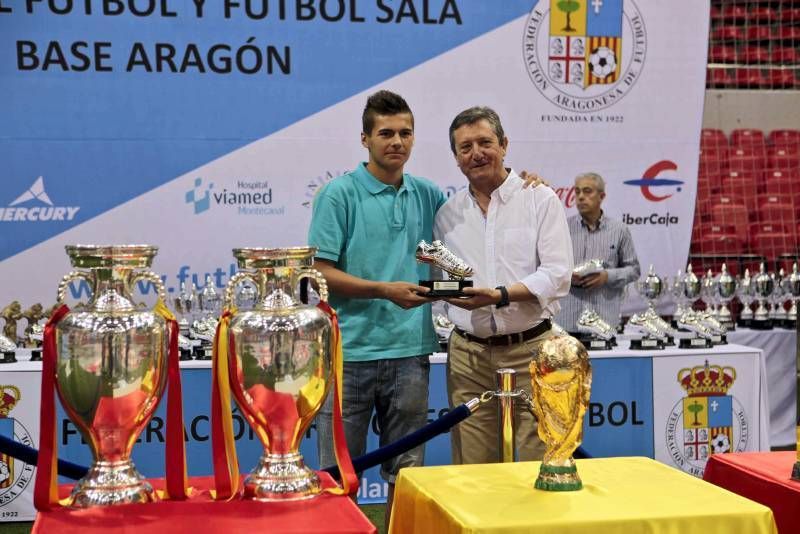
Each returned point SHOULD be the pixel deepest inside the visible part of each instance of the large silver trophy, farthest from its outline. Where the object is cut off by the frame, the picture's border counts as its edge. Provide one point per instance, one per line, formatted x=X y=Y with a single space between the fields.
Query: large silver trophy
x=764 y=287
x=777 y=312
x=791 y=285
x=205 y=328
x=111 y=368
x=281 y=368
x=709 y=292
x=725 y=290
x=653 y=331
x=746 y=294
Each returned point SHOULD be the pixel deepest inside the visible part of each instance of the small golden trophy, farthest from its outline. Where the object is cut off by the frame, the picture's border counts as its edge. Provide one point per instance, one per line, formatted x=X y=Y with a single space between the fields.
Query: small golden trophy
x=561 y=379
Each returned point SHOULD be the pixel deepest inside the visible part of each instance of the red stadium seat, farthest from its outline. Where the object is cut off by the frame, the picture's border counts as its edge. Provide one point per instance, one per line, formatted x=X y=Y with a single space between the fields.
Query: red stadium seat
x=716 y=13
x=772 y=245
x=790 y=14
x=723 y=54
x=759 y=34
x=783 y=79
x=783 y=158
x=740 y=187
x=785 y=55
x=728 y=211
x=719 y=244
x=789 y=138
x=746 y=161
x=711 y=138
x=751 y=79
x=763 y=14
x=710 y=228
x=734 y=13
x=774 y=211
x=756 y=54
x=771 y=228
x=781 y=184
x=720 y=78
x=747 y=137
x=727 y=33
x=789 y=34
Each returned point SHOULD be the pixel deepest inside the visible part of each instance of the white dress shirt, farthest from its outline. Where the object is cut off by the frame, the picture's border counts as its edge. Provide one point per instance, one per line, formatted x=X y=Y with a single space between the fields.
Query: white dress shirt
x=523 y=238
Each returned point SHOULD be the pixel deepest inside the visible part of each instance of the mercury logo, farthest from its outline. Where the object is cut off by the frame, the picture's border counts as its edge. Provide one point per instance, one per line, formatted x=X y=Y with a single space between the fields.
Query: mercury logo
x=37 y=207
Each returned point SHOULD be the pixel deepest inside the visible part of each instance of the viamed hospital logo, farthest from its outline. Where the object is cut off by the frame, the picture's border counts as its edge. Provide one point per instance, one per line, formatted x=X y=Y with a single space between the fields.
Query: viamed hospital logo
x=584 y=55
x=14 y=474
x=708 y=420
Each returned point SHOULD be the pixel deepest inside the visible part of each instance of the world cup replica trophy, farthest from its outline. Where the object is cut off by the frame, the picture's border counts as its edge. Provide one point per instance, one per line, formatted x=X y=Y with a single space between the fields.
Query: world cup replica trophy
x=561 y=380
x=111 y=368
x=280 y=366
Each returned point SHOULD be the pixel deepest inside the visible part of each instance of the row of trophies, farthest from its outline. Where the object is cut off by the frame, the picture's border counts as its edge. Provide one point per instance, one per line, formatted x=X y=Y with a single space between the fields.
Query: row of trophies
x=197 y=312
x=773 y=294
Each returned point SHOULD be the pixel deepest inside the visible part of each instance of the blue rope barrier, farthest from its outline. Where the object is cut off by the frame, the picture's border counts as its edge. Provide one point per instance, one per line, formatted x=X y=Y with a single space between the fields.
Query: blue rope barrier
x=30 y=455
x=431 y=430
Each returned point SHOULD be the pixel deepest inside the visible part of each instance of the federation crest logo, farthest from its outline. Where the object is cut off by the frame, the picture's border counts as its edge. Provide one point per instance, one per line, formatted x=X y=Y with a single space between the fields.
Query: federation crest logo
x=708 y=420
x=14 y=474
x=584 y=55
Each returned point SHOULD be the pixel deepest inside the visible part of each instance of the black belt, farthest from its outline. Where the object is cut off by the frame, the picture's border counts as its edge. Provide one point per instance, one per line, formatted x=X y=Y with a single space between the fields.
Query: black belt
x=505 y=340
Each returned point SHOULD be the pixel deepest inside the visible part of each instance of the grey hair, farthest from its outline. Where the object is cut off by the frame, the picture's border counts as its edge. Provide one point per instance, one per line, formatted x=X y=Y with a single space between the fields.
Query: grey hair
x=473 y=115
x=599 y=183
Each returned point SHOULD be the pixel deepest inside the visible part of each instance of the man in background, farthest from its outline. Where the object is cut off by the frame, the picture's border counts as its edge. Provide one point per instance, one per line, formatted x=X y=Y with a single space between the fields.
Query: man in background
x=596 y=236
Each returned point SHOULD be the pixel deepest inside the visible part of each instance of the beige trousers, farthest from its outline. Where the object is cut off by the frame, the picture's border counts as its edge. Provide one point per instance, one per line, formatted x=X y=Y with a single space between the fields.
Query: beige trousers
x=471 y=370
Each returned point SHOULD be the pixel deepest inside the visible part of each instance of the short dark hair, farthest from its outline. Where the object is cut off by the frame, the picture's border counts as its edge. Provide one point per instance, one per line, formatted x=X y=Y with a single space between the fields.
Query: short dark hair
x=383 y=103
x=473 y=115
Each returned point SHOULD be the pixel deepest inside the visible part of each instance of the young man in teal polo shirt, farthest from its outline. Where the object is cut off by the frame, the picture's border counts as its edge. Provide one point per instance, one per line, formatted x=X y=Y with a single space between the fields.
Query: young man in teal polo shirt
x=366 y=225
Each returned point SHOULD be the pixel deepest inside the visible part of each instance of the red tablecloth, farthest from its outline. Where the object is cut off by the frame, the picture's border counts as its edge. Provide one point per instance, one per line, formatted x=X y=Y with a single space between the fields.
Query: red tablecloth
x=201 y=515
x=764 y=477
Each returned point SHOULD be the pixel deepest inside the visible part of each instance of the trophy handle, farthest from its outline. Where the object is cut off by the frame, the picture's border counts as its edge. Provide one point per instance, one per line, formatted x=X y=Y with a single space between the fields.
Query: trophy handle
x=234 y=281
x=153 y=278
x=70 y=277
x=322 y=284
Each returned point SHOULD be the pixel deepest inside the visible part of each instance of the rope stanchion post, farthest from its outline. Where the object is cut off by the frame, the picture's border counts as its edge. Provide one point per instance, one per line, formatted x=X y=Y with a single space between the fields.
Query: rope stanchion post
x=506 y=385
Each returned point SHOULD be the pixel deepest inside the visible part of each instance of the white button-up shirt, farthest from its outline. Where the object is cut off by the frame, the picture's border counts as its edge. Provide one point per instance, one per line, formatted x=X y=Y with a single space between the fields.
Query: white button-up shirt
x=523 y=238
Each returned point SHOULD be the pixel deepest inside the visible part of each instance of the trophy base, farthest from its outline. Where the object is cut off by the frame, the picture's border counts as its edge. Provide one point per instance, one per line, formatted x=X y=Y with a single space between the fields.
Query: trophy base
x=36 y=355
x=647 y=344
x=761 y=324
x=598 y=343
x=204 y=352
x=185 y=354
x=744 y=323
x=110 y=484
x=719 y=339
x=796 y=471
x=558 y=477
x=8 y=357
x=281 y=477
x=445 y=288
x=791 y=324
x=695 y=343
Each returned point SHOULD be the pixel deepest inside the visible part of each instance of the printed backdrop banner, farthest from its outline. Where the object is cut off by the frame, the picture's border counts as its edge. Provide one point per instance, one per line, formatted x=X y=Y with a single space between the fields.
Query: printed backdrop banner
x=202 y=126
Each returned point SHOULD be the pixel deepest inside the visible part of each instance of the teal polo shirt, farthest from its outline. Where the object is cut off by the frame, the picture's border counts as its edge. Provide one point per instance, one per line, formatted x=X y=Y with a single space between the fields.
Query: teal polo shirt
x=371 y=230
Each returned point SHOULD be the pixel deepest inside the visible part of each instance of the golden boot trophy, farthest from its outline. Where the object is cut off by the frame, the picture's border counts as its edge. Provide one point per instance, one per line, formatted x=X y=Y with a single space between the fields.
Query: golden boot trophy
x=561 y=379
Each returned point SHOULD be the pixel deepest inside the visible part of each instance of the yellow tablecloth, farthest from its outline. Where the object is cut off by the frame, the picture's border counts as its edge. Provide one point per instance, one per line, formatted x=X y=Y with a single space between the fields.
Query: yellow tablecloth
x=620 y=495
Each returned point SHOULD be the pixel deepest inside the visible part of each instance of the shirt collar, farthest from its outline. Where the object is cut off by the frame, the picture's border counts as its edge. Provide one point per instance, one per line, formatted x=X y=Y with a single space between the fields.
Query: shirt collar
x=375 y=186
x=509 y=186
x=600 y=222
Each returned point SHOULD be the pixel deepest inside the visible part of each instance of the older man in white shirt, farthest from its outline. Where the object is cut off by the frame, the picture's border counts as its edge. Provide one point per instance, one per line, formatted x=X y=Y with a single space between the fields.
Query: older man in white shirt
x=518 y=243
